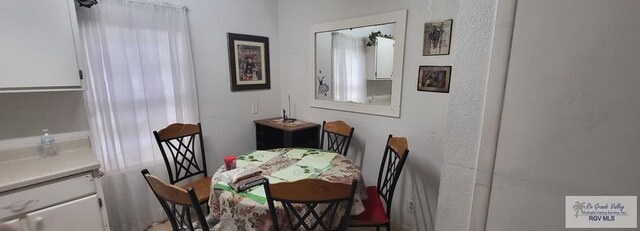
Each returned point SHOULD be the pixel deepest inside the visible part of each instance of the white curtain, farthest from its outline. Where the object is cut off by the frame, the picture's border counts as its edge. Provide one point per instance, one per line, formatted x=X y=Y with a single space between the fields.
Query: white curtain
x=349 y=73
x=140 y=79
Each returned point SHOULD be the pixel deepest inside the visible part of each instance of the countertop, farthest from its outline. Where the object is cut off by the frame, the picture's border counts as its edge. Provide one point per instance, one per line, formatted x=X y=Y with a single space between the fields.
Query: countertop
x=26 y=166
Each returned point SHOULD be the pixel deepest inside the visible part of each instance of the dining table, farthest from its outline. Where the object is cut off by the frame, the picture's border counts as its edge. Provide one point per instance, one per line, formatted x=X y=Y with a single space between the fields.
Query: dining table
x=248 y=210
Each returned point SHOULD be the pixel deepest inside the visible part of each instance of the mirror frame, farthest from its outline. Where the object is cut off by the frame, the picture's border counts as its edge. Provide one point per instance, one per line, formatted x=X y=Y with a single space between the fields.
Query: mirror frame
x=392 y=110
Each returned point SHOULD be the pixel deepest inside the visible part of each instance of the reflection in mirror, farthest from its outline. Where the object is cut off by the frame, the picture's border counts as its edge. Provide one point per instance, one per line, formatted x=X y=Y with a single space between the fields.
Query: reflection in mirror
x=355 y=64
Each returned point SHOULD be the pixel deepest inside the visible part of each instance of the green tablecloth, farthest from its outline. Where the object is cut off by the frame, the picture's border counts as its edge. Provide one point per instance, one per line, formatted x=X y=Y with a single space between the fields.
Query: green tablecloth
x=247 y=211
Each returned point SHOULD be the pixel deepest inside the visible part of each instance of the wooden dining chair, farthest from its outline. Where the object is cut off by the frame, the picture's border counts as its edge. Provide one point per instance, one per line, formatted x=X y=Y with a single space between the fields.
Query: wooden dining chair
x=177 y=145
x=311 y=200
x=338 y=135
x=375 y=214
x=178 y=204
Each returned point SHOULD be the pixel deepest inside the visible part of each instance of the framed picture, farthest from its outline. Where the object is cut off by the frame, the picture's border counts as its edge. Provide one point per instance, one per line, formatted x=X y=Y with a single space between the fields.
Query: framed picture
x=248 y=62
x=434 y=78
x=437 y=38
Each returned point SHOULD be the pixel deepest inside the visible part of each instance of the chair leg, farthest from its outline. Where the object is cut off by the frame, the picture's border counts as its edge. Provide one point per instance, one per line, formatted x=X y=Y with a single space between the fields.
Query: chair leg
x=378 y=228
x=389 y=227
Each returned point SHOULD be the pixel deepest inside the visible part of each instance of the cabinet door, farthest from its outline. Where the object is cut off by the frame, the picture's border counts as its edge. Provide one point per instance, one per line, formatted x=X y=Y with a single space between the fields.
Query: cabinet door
x=370 y=62
x=384 y=58
x=37 y=48
x=80 y=214
x=13 y=225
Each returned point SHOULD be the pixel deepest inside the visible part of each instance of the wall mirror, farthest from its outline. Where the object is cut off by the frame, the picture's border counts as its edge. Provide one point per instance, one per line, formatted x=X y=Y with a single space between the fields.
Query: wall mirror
x=356 y=64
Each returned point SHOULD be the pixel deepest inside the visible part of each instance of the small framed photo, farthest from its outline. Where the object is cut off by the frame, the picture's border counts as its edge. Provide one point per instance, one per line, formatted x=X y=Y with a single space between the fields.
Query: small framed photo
x=434 y=78
x=437 y=37
x=248 y=62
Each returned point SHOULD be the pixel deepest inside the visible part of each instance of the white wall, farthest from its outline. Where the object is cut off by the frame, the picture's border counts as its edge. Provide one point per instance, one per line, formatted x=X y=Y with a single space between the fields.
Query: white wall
x=226 y=116
x=378 y=87
x=571 y=122
x=26 y=114
x=324 y=64
x=473 y=34
x=423 y=114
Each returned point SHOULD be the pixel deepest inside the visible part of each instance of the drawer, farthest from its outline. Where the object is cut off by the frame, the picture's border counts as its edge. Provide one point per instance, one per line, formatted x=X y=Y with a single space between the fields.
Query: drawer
x=27 y=199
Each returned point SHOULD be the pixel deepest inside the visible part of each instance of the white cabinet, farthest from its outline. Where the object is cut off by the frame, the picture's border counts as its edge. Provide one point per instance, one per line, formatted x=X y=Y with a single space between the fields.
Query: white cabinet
x=80 y=214
x=14 y=225
x=370 y=62
x=384 y=58
x=379 y=59
x=38 y=46
x=70 y=203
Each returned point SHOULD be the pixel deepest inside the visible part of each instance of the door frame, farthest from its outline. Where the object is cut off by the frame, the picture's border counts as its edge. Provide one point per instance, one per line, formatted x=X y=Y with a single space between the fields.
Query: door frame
x=492 y=112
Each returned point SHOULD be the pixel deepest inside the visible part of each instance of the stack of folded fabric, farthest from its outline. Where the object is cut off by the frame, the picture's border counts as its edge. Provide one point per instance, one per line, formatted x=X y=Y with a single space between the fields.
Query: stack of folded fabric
x=243 y=178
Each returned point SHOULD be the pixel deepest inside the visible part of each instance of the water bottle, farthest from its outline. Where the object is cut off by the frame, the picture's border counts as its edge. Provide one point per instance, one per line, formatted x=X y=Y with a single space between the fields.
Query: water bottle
x=48 y=146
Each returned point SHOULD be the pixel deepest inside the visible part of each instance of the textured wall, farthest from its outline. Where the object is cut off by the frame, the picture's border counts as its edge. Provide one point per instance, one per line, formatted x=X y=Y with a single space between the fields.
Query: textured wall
x=474 y=30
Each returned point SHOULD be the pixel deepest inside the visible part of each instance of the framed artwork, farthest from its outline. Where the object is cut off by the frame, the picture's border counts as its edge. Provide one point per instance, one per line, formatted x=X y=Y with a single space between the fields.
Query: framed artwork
x=434 y=78
x=437 y=37
x=248 y=62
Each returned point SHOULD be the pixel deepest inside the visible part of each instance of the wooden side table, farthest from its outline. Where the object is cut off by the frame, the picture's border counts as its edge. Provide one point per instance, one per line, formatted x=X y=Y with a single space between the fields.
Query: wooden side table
x=273 y=134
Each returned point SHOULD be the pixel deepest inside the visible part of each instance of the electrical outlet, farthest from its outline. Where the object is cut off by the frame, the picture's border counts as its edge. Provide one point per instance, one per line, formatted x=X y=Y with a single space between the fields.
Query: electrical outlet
x=411 y=206
x=254 y=108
